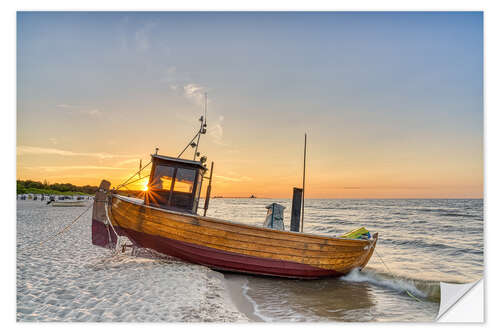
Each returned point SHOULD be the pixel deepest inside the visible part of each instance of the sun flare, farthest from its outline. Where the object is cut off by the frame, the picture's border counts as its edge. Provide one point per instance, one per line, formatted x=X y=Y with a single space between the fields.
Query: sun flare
x=144 y=184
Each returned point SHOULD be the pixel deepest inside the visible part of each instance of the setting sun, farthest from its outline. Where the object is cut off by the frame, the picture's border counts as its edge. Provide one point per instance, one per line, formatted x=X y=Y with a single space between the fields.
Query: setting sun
x=144 y=184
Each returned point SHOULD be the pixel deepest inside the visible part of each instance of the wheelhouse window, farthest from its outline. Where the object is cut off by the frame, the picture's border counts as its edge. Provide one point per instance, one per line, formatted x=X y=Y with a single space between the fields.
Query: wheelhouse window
x=174 y=184
x=184 y=180
x=198 y=190
x=162 y=179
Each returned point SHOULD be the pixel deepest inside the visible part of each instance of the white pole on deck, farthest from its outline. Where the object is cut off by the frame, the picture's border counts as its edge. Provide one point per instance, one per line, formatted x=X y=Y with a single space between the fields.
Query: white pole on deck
x=303 y=184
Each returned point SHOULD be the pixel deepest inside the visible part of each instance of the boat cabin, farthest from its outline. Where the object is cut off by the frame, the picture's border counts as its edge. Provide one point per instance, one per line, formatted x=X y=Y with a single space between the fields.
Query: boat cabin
x=175 y=183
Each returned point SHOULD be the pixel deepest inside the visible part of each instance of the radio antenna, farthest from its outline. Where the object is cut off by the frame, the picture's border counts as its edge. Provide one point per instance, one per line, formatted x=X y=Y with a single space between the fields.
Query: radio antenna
x=202 y=130
x=206 y=106
x=303 y=184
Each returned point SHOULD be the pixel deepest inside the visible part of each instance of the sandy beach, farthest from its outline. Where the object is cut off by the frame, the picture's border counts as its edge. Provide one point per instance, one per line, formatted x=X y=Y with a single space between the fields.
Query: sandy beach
x=68 y=279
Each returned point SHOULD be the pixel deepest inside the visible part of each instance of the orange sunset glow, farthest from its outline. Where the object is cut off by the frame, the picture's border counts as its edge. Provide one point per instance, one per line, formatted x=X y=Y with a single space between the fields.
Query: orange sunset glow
x=387 y=115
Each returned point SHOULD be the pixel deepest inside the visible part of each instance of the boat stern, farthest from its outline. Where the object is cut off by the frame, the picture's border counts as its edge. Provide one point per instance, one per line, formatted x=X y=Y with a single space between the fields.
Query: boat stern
x=373 y=243
x=102 y=235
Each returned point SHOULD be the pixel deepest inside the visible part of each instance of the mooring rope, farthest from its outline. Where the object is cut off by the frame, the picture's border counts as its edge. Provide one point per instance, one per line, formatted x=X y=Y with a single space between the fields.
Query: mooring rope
x=133 y=181
x=390 y=272
x=112 y=228
x=59 y=232
x=133 y=175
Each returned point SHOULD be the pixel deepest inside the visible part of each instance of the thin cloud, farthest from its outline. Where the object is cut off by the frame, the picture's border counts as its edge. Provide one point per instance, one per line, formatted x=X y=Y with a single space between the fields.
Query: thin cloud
x=128 y=162
x=66 y=106
x=171 y=70
x=174 y=77
x=26 y=150
x=142 y=36
x=194 y=93
x=77 y=109
x=234 y=179
x=93 y=112
x=74 y=167
x=216 y=132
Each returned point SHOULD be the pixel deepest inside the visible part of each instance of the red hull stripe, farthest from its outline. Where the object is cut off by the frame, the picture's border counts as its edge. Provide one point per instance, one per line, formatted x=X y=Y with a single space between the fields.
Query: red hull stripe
x=102 y=235
x=223 y=260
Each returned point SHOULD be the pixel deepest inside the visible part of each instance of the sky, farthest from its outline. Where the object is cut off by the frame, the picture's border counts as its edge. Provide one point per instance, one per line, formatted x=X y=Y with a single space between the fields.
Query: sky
x=392 y=103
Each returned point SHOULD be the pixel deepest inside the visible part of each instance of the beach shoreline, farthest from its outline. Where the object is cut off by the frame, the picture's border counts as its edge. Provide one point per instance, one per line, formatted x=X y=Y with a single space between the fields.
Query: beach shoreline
x=235 y=289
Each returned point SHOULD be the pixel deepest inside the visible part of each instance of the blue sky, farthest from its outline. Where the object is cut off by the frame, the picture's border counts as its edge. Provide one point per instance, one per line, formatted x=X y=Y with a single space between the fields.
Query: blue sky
x=375 y=91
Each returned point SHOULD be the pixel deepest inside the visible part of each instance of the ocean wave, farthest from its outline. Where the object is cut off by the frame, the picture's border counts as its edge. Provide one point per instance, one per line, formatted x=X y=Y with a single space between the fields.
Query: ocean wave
x=429 y=290
x=459 y=215
x=420 y=243
x=453 y=212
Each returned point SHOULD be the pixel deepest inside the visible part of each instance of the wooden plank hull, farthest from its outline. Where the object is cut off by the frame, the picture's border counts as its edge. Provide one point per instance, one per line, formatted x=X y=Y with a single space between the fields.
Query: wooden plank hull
x=232 y=246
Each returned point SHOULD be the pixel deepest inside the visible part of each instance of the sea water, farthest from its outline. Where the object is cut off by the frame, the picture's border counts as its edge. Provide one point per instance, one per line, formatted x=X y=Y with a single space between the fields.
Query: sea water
x=421 y=242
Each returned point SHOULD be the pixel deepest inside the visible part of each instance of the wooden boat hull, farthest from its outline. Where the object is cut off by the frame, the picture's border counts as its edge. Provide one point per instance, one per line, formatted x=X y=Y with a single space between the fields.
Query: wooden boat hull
x=227 y=246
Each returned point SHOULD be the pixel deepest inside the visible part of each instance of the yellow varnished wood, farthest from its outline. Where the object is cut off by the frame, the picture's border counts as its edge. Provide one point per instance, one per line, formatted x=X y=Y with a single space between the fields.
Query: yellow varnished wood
x=320 y=251
x=235 y=238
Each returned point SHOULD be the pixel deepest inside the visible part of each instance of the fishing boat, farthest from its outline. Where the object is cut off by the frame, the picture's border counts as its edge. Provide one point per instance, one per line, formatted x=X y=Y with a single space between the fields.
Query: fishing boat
x=166 y=220
x=66 y=201
x=69 y=203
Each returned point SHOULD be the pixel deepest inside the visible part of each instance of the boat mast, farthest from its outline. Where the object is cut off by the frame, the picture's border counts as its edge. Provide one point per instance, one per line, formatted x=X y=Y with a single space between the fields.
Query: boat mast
x=209 y=189
x=202 y=130
x=303 y=184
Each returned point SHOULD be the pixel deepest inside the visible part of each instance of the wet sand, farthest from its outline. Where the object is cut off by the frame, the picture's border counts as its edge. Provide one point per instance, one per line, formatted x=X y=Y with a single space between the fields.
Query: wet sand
x=235 y=285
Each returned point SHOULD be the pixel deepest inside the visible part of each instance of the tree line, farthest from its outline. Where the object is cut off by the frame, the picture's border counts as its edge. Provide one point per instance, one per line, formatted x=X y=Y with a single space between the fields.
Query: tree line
x=24 y=186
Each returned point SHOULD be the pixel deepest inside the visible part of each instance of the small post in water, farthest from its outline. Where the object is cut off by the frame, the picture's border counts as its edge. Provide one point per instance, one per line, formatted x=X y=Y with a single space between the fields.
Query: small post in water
x=303 y=184
x=296 y=207
x=209 y=189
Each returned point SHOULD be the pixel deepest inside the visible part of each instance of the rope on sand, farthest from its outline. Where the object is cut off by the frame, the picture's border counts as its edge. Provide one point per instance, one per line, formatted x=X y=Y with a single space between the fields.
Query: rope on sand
x=390 y=272
x=57 y=233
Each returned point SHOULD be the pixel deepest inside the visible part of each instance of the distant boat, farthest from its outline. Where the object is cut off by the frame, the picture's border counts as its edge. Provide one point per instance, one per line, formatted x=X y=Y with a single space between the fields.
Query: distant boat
x=167 y=220
x=67 y=201
x=253 y=196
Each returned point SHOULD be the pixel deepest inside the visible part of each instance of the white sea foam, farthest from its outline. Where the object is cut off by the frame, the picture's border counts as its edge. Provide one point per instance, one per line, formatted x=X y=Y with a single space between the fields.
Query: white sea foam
x=392 y=282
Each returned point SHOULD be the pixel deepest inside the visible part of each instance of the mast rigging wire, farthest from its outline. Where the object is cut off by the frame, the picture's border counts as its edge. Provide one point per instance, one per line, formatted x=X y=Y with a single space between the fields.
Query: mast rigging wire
x=133 y=181
x=202 y=130
x=133 y=175
x=182 y=152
